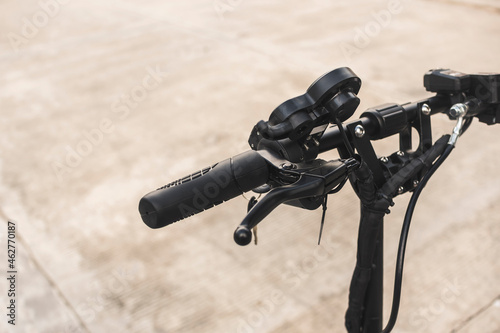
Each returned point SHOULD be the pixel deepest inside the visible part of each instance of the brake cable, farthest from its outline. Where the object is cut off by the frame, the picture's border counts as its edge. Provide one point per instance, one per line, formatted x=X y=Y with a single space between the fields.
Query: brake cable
x=459 y=110
x=323 y=214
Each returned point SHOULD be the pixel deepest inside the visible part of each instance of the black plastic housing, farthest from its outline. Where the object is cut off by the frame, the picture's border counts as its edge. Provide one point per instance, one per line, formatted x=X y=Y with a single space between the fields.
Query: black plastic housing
x=446 y=81
x=486 y=87
x=390 y=119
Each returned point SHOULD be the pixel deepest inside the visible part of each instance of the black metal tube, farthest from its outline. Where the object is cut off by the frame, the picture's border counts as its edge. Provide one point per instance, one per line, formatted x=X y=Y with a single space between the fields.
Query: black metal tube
x=332 y=137
x=374 y=302
x=395 y=117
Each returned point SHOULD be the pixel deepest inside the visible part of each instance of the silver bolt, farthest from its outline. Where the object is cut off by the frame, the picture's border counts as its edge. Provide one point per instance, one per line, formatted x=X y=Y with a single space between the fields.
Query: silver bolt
x=415 y=183
x=359 y=131
x=458 y=110
x=316 y=142
x=287 y=166
x=400 y=153
x=384 y=159
x=426 y=109
x=400 y=189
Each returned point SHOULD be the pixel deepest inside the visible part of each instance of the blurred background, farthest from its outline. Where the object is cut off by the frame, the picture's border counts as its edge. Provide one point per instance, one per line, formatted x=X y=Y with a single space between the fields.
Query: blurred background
x=102 y=102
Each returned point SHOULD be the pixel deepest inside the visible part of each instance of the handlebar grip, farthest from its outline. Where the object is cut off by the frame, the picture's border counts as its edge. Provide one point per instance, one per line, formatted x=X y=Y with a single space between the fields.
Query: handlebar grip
x=204 y=189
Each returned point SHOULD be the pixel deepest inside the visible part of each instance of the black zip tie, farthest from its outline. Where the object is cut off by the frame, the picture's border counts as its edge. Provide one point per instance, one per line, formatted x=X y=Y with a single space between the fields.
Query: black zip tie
x=322 y=219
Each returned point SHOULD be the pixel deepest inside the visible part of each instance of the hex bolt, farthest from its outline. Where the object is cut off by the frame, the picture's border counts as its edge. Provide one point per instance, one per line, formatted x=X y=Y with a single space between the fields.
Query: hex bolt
x=400 y=153
x=400 y=189
x=384 y=159
x=426 y=109
x=359 y=131
x=415 y=183
x=458 y=110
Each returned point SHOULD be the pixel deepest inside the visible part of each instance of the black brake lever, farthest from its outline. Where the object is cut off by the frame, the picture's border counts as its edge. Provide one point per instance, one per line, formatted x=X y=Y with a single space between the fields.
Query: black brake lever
x=313 y=183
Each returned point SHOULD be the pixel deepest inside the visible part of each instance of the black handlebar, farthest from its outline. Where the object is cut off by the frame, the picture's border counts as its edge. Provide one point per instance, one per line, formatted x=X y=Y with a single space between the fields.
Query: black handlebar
x=284 y=156
x=204 y=189
x=232 y=177
x=244 y=172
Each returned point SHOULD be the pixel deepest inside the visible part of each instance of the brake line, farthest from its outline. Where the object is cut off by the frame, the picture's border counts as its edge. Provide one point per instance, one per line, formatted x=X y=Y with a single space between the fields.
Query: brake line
x=398 y=280
x=461 y=126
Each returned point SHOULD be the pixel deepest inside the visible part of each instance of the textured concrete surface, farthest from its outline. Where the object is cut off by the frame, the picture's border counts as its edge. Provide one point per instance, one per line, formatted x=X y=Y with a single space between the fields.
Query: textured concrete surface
x=102 y=102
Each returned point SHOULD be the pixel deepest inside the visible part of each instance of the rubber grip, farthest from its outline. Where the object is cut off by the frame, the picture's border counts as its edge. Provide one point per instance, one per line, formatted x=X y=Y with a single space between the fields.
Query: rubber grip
x=204 y=189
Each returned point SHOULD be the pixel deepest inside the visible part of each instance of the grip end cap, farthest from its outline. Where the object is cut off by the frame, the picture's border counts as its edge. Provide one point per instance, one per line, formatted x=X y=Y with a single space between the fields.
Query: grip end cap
x=242 y=236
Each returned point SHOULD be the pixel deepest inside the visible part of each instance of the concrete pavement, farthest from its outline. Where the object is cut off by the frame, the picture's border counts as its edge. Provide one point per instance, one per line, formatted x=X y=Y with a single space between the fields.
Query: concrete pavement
x=102 y=102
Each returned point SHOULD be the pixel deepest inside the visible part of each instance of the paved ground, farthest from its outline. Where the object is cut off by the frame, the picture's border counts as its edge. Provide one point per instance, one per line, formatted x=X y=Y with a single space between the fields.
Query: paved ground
x=102 y=102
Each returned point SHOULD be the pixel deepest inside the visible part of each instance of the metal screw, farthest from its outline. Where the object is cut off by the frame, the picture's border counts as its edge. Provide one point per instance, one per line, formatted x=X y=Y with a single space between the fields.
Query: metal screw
x=426 y=109
x=400 y=153
x=415 y=183
x=287 y=166
x=384 y=159
x=400 y=189
x=359 y=131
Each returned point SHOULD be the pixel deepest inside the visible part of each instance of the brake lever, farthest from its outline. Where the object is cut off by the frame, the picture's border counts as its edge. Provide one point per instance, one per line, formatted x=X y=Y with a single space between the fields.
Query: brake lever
x=312 y=183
